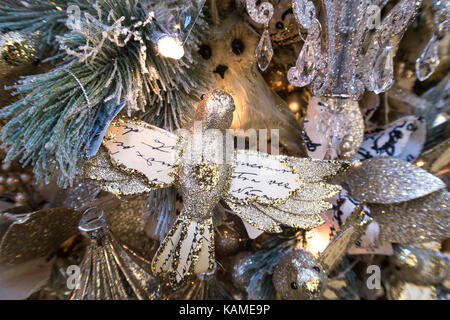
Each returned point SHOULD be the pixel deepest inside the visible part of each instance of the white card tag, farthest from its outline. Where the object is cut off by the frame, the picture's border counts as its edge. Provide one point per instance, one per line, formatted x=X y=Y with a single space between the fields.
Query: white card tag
x=137 y=146
x=263 y=178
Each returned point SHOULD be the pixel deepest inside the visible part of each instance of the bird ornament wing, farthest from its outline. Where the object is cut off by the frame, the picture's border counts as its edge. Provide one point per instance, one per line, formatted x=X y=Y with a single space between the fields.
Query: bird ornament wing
x=137 y=151
x=268 y=191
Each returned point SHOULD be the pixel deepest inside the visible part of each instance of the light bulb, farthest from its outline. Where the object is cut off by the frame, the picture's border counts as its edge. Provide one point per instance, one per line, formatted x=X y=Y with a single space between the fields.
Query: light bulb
x=294 y=106
x=170 y=47
x=317 y=240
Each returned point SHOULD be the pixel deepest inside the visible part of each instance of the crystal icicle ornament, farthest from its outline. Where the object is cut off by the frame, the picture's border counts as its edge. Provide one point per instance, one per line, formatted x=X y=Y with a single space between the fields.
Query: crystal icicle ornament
x=264 y=51
x=108 y=270
x=188 y=17
x=382 y=76
x=429 y=59
x=307 y=63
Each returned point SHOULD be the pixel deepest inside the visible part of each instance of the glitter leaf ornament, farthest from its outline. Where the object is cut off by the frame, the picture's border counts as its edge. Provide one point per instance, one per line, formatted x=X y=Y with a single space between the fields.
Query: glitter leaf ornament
x=37 y=234
x=387 y=180
x=265 y=190
x=418 y=220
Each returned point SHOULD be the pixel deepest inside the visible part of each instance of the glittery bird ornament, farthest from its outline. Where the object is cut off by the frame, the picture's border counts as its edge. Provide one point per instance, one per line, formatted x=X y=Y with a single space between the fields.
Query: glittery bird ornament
x=299 y=275
x=200 y=161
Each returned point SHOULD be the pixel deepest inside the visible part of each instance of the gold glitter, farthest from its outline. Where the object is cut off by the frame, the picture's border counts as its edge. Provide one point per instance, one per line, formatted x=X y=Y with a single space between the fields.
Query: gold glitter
x=18 y=48
x=206 y=174
x=313 y=286
x=112 y=179
x=354 y=227
x=389 y=180
x=38 y=234
x=293 y=218
x=419 y=220
x=314 y=170
x=255 y=217
x=317 y=191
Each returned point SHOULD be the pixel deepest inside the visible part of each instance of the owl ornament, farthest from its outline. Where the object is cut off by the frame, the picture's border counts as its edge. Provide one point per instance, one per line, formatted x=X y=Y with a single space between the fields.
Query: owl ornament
x=299 y=275
x=265 y=190
x=229 y=55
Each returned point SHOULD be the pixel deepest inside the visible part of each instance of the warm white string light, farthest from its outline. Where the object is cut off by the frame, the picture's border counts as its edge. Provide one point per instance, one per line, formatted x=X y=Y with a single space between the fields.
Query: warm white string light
x=170 y=47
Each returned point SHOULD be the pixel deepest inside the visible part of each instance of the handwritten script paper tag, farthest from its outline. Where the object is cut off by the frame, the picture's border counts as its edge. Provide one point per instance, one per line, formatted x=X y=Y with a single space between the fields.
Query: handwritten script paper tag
x=264 y=178
x=137 y=146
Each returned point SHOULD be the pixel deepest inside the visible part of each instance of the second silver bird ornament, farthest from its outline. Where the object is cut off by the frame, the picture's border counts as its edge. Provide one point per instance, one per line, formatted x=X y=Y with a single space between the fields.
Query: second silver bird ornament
x=265 y=190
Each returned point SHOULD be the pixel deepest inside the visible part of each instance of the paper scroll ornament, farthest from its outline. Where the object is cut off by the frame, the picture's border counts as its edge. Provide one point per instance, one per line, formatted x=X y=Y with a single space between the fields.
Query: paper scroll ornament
x=403 y=139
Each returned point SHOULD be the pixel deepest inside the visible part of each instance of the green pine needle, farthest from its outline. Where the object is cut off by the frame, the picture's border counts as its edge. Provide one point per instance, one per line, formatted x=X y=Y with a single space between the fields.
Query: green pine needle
x=109 y=60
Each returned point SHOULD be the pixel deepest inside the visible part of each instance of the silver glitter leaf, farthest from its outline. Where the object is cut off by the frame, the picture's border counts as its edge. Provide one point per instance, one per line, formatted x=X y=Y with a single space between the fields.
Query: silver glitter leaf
x=419 y=220
x=388 y=180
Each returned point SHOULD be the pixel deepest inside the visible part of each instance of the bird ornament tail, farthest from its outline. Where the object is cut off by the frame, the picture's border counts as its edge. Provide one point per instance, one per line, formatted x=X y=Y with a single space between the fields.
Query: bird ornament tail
x=188 y=248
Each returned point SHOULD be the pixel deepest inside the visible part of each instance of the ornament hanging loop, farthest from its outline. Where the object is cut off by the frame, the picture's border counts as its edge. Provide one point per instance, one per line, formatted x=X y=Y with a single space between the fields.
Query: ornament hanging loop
x=93 y=223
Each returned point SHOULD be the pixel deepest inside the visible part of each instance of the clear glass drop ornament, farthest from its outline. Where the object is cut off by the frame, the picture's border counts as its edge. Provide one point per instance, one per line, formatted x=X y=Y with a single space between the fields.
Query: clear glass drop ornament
x=428 y=61
x=382 y=75
x=264 y=51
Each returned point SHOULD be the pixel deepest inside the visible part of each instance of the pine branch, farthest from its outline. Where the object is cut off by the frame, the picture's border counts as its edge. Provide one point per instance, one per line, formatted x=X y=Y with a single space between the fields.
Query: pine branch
x=110 y=60
x=47 y=17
